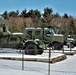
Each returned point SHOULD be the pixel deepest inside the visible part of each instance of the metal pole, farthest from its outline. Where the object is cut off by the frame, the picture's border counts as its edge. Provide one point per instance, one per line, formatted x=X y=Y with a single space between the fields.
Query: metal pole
x=22 y=59
x=70 y=47
x=49 y=61
x=63 y=49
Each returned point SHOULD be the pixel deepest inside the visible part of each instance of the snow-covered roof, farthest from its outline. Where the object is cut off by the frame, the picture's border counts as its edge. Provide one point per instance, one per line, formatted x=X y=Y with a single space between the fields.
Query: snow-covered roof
x=17 y=33
x=58 y=35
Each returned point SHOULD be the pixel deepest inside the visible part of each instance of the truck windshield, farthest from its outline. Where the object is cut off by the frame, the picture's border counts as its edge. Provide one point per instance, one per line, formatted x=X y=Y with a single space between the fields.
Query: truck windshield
x=53 y=32
x=50 y=31
x=47 y=32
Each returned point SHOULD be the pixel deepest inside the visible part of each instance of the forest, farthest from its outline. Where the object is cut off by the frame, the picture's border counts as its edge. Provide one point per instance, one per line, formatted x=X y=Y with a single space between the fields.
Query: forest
x=34 y=18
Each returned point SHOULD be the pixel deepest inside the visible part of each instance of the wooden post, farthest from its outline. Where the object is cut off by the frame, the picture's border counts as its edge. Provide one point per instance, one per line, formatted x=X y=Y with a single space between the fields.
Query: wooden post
x=22 y=59
x=49 y=61
x=63 y=49
x=70 y=47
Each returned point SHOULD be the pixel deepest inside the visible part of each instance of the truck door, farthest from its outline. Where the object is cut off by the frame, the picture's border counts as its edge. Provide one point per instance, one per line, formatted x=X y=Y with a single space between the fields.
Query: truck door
x=29 y=34
x=3 y=41
x=47 y=36
x=13 y=41
x=38 y=33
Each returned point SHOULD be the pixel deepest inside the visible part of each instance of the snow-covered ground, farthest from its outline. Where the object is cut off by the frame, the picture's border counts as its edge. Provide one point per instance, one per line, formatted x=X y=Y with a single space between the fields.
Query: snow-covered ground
x=12 y=53
x=14 y=67
x=68 y=49
x=44 y=55
x=66 y=67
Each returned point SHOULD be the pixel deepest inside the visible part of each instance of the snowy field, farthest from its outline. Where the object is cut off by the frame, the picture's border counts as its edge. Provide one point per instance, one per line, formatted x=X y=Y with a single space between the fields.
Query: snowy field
x=66 y=67
x=18 y=55
x=12 y=53
x=68 y=49
x=13 y=67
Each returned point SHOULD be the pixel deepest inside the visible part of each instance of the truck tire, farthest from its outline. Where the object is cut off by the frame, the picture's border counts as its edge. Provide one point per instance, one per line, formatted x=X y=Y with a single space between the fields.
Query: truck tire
x=40 y=51
x=56 y=46
x=31 y=49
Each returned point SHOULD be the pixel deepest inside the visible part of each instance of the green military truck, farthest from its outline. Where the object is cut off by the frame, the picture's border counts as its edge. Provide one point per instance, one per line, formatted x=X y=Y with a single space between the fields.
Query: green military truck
x=18 y=41
x=72 y=39
x=46 y=35
x=33 y=40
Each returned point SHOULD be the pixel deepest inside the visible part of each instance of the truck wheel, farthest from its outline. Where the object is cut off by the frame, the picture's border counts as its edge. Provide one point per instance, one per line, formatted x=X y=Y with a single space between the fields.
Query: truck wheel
x=56 y=46
x=40 y=51
x=31 y=49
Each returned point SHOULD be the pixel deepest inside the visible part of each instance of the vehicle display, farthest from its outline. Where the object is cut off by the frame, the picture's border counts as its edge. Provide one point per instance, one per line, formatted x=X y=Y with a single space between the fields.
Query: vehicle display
x=72 y=39
x=18 y=41
x=33 y=40
x=46 y=35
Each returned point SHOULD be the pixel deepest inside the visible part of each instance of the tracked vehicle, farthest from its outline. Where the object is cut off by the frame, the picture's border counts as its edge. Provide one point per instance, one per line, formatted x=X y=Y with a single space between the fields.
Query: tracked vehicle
x=19 y=41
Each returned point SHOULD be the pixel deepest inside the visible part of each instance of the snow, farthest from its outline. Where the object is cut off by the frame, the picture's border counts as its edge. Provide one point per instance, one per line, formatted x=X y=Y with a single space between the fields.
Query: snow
x=18 y=55
x=17 y=33
x=66 y=67
x=7 y=52
x=66 y=48
x=70 y=50
x=58 y=35
x=14 y=67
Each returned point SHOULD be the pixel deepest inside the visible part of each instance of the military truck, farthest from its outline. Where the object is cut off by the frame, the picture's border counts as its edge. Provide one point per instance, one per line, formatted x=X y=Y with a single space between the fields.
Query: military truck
x=18 y=41
x=72 y=39
x=46 y=35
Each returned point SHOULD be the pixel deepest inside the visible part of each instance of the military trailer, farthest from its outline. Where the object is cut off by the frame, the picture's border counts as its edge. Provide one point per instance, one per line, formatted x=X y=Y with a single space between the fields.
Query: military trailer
x=18 y=41
x=46 y=35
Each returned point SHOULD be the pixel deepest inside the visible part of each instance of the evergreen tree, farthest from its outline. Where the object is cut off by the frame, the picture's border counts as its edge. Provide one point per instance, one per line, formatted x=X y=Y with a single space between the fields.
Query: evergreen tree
x=71 y=27
x=65 y=16
x=47 y=12
x=48 y=15
x=5 y=15
x=13 y=13
x=24 y=13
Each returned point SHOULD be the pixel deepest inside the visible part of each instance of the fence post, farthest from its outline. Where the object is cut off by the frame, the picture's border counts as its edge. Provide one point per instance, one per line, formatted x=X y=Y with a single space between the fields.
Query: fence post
x=22 y=59
x=49 y=61
x=70 y=47
x=63 y=49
